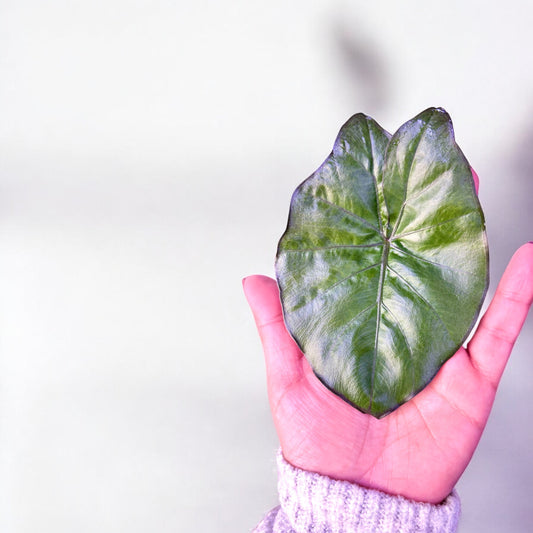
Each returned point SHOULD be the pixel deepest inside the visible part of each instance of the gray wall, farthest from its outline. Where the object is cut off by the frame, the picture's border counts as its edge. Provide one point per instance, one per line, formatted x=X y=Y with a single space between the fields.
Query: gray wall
x=148 y=151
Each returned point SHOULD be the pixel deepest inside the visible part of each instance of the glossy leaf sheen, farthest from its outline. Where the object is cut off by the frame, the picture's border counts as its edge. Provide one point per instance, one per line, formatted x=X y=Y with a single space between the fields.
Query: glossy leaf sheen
x=383 y=266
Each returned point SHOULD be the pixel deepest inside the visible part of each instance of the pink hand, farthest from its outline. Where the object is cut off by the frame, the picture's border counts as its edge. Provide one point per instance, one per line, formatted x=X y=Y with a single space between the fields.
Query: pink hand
x=420 y=450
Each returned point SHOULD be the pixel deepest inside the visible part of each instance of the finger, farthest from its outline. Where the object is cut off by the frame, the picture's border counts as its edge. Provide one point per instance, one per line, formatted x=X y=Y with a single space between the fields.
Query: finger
x=498 y=330
x=476 y=179
x=282 y=355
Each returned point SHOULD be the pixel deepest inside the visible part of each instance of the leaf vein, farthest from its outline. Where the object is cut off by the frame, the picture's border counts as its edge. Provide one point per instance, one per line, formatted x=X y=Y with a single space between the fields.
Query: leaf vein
x=353 y=274
x=422 y=297
x=337 y=246
x=408 y=344
x=411 y=162
x=422 y=190
x=374 y=178
x=432 y=226
x=350 y=322
x=420 y=258
x=348 y=212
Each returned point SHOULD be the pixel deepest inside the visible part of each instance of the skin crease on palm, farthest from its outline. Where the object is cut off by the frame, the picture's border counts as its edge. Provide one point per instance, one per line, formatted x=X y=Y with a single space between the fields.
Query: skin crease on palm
x=421 y=449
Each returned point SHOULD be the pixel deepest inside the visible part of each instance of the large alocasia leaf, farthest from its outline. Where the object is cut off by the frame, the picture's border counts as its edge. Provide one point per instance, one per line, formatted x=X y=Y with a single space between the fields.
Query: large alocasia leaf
x=384 y=264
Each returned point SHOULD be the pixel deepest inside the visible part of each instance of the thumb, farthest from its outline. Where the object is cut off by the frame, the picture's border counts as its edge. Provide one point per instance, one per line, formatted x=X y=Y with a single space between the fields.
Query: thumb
x=491 y=345
x=282 y=355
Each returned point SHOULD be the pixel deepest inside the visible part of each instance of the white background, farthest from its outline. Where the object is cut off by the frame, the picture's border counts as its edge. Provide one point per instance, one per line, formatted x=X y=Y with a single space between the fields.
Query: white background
x=148 y=151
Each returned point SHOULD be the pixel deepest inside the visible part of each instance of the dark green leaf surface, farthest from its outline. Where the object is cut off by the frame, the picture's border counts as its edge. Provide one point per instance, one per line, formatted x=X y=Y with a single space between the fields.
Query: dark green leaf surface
x=384 y=264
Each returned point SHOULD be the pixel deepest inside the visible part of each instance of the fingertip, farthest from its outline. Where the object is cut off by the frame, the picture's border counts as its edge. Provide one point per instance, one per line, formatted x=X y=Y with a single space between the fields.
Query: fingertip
x=524 y=254
x=257 y=284
x=262 y=294
x=517 y=278
x=476 y=179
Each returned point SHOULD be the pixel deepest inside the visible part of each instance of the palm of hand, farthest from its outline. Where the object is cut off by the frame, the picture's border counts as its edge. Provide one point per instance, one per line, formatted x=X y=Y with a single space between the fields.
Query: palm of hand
x=421 y=449
x=418 y=451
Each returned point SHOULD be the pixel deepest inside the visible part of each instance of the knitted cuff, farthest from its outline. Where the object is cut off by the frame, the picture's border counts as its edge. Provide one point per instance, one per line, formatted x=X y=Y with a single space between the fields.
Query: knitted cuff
x=313 y=503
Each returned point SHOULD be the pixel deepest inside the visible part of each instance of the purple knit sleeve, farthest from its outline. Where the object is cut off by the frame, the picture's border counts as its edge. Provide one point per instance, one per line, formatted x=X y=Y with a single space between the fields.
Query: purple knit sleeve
x=311 y=503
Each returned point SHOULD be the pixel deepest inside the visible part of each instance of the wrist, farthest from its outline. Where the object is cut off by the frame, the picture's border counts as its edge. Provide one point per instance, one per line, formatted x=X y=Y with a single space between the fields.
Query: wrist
x=312 y=501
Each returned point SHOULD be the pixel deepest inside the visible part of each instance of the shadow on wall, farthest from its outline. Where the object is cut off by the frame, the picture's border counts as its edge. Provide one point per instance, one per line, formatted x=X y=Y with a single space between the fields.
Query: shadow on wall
x=521 y=165
x=362 y=66
x=509 y=206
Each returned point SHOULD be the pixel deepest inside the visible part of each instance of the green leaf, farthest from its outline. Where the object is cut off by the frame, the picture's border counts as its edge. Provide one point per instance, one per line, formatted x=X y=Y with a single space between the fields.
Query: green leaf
x=383 y=266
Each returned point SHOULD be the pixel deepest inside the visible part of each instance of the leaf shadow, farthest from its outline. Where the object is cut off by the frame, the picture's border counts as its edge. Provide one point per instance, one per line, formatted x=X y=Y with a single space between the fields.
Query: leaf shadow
x=361 y=64
x=509 y=206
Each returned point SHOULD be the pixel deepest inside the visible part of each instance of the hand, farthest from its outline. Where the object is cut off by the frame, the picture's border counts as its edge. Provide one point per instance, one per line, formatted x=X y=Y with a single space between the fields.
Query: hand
x=421 y=449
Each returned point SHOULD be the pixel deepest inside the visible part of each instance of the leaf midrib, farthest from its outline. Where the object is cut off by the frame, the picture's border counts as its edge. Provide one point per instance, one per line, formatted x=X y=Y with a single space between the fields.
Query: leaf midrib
x=385 y=254
x=379 y=302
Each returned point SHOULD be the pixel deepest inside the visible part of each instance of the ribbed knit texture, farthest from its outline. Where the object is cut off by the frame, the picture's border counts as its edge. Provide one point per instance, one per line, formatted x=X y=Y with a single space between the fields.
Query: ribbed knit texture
x=311 y=503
